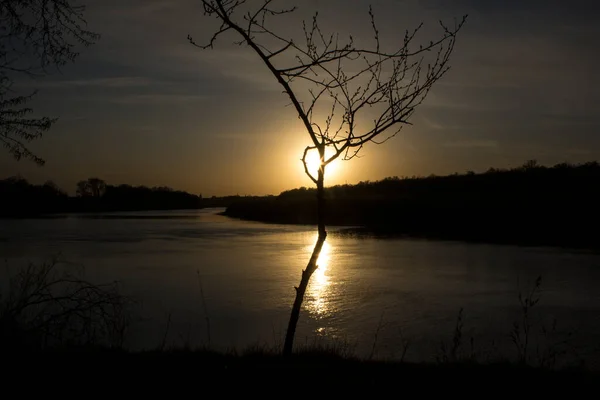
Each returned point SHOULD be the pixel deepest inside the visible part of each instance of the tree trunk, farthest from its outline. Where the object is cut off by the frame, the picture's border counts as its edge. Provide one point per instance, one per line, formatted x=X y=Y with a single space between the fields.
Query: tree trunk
x=312 y=263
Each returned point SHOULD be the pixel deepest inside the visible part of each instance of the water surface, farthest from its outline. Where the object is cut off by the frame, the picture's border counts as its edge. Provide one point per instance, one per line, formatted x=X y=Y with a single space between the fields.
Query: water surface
x=374 y=295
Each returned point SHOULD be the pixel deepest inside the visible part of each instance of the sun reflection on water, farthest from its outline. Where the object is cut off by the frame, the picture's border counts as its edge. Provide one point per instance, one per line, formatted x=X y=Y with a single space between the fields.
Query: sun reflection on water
x=320 y=282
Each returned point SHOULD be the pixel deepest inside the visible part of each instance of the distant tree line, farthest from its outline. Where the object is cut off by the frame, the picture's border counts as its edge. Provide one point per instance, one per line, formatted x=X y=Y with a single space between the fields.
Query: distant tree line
x=94 y=194
x=530 y=204
x=19 y=198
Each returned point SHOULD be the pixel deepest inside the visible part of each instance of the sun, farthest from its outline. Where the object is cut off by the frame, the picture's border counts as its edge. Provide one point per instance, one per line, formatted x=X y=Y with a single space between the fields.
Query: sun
x=313 y=162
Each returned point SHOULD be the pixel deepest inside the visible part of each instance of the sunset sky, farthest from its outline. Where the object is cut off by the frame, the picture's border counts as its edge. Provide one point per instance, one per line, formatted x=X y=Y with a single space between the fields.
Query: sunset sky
x=143 y=106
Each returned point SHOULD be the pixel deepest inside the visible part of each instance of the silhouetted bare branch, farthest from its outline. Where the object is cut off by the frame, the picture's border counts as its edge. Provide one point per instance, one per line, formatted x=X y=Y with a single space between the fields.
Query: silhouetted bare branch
x=35 y=36
x=370 y=91
x=361 y=83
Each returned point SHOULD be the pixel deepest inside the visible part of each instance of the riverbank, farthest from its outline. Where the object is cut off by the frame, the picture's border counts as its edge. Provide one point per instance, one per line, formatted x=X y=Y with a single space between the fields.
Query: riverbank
x=530 y=205
x=441 y=227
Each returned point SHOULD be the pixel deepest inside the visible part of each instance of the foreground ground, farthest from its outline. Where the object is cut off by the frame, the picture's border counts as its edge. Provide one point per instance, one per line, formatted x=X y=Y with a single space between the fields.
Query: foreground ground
x=307 y=374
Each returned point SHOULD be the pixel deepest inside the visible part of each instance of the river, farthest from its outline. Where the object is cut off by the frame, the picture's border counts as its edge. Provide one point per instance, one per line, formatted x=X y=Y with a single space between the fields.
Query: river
x=374 y=297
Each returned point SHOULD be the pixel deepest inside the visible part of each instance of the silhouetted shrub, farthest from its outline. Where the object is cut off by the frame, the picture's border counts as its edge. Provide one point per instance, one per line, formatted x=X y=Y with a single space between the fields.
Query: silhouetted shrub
x=50 y=305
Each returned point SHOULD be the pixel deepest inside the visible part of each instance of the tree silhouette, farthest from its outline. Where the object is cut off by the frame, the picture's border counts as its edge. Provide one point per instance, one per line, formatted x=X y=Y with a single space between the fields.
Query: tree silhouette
x=355 y=94
x=92 y=187
x=52 y=188
x=35 y=37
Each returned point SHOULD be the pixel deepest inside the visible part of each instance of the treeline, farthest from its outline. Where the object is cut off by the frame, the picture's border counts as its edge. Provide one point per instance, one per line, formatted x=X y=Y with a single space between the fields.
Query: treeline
x=19 y=198
x=530 y=204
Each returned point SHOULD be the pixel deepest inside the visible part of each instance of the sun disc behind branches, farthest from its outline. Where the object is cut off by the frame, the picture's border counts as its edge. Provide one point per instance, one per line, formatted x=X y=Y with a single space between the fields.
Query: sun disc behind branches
x=313 y=162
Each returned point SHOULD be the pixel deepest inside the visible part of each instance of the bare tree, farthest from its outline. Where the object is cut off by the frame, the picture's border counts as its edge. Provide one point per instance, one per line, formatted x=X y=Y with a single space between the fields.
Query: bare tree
x=36 y=36
x=355 y=94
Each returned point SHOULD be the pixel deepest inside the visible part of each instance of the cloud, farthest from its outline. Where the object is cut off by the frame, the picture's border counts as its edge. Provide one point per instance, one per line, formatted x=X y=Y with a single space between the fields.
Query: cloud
x=579 y=152
x=438 y=126
x=479 y=144
x=158 y=98
x=110 y=82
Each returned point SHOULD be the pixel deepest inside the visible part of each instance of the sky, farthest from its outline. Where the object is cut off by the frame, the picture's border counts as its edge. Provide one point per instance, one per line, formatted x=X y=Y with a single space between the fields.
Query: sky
x=144 y=107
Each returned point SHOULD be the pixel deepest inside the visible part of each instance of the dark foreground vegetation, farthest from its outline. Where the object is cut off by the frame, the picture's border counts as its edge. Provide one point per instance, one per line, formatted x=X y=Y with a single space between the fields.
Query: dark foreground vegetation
x=19 y=198
x=531 y=204
x=55 y=323
x=266 y=372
